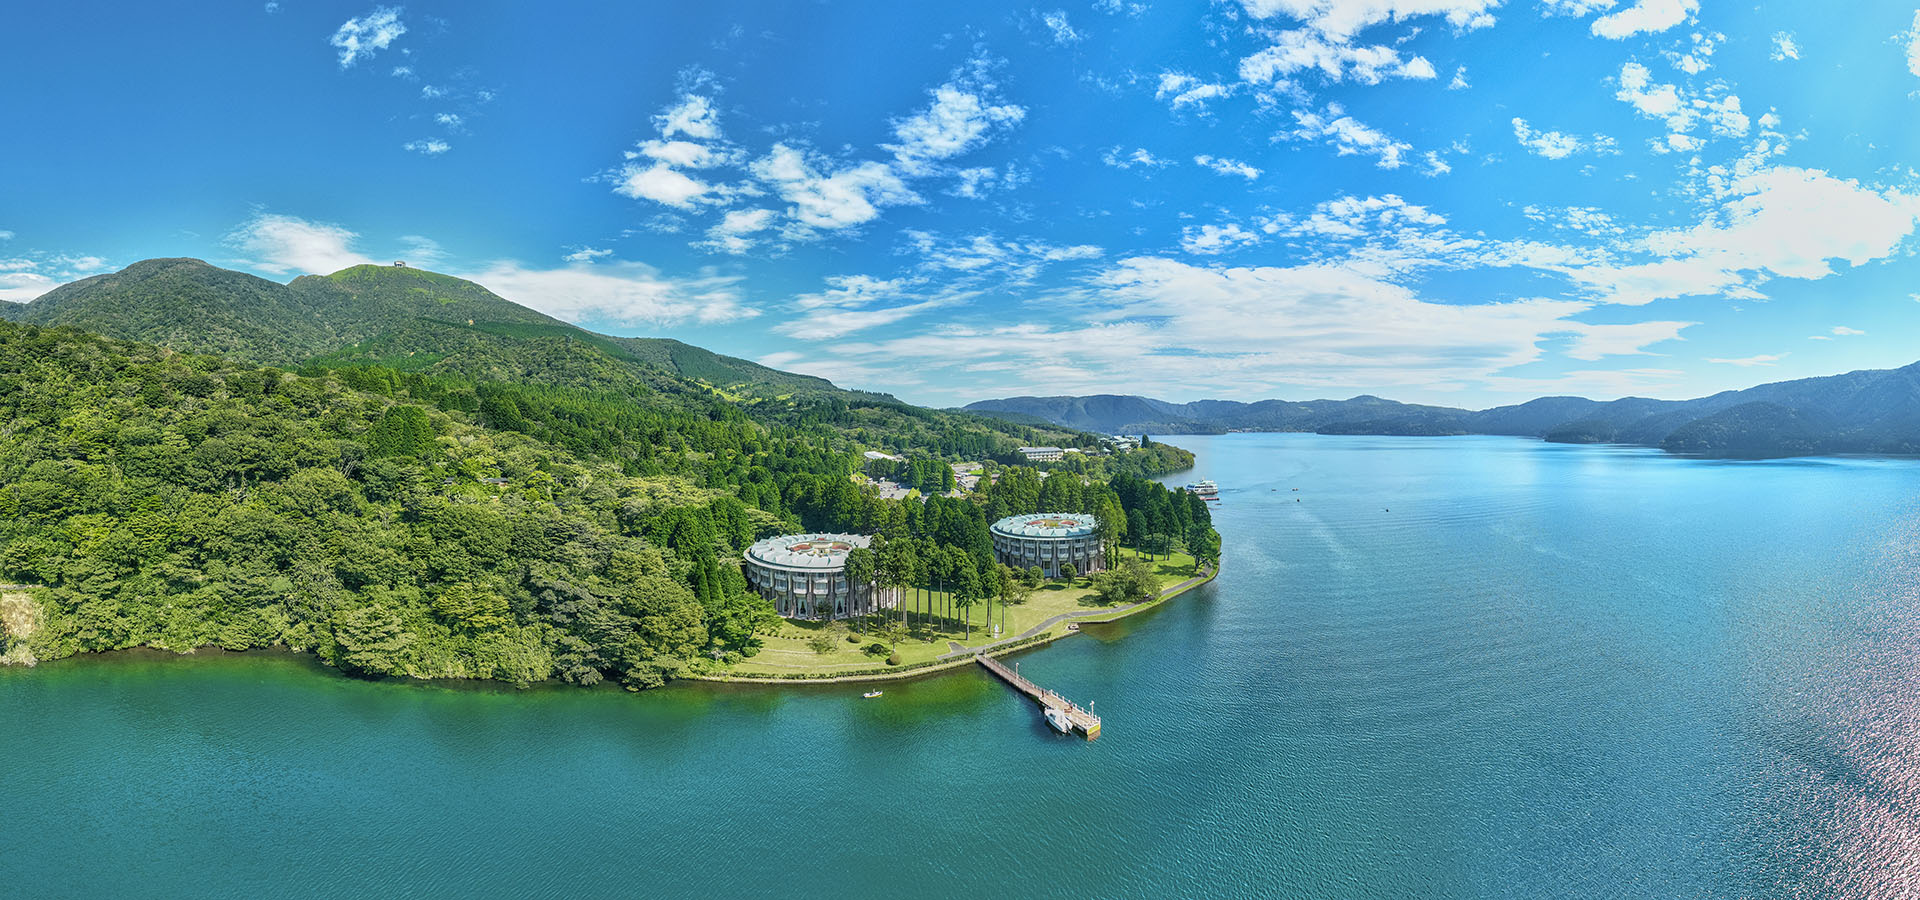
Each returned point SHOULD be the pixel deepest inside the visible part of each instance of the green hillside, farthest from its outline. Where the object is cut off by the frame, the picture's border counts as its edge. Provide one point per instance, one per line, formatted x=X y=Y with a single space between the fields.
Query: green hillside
x=175 y=501
x=466 y=488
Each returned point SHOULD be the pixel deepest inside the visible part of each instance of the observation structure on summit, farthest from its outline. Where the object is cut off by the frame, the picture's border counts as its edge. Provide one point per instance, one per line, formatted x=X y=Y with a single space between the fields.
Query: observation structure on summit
x=1049 y=540
x=805 y=576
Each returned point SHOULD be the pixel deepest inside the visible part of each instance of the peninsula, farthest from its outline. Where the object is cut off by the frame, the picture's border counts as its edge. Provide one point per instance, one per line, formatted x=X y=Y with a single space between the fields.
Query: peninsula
x=408 y=475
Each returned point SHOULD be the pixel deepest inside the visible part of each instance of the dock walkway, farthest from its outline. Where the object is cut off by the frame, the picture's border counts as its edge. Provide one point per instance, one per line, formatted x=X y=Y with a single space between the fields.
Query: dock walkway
x=1084 y=722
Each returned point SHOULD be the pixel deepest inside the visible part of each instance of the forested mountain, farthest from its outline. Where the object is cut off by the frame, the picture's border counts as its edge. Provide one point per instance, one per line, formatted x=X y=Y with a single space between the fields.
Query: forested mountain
x=1869 y=411
x=400 y=316
x=498 y=496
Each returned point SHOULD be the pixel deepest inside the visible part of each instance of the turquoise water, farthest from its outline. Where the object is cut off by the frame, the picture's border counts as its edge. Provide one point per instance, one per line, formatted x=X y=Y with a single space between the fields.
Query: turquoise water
x=1458 y=667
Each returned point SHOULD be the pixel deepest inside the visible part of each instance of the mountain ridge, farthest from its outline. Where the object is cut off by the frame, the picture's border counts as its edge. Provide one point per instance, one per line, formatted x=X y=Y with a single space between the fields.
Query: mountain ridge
x=1864 y=411
x=393 y=314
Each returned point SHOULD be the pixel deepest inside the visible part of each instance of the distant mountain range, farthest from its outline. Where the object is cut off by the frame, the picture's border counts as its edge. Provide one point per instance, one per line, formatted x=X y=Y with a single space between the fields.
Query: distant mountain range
x=1869 y=411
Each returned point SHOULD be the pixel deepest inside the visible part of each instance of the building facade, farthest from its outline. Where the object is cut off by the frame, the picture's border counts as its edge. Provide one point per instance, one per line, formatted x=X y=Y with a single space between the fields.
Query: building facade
x=1043 y=454
x=804 y=576
x=1049 y=540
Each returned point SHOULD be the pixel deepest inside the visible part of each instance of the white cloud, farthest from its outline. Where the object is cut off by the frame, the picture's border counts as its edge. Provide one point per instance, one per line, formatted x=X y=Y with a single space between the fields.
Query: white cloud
x=427 y=146
x=1348 y=136
x=1162 y=325
x=1140 y=156
x=432 y=92
x=361 y=37
x=1555 y=144
x=846 y=305
x=1057 y=23
x=1226 y=166
x=6 y=235
x=22 y=287
x=450 y=120
x=1436 y=166
x=1646 y=16
x=1305 y=49
x=1215 y=239
x=1592 y=342
x=1011 y=261
x=625 y=293
x=1344 y=18
x=1350 y=217
x=402 y=72
x=1781 y=222
x=1912 y=37
x=1181 y=90
x=586 y=255
x=958 y=121
x=1459 y=82
x=684 y=154
x=1784 y=47
x=662 y=184
x=845 y=198
x=694 y=116
x=1764 y=359
x=1844 y=331
x=1576 y=7
x=980 y=181
x=732 y=233
x=288 y=244
x=1655 y=100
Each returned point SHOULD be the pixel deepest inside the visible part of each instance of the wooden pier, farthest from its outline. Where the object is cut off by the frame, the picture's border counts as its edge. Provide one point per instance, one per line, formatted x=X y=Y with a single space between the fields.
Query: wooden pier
x=1084 y=723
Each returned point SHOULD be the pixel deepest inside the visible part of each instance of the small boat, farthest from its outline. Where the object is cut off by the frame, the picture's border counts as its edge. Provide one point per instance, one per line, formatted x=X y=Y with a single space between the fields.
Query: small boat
x=1057 y=718
x=871 y=694
x=1073 y=626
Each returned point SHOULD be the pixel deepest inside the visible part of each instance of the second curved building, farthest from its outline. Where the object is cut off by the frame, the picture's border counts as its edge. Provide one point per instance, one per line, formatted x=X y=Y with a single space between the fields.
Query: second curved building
x=1049 y=540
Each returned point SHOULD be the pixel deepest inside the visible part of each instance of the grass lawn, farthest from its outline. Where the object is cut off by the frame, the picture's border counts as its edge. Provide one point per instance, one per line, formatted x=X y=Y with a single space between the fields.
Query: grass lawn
x=790 y=649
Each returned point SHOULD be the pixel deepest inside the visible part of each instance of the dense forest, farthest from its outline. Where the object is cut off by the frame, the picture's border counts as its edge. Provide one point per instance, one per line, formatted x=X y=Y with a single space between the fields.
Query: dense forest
x=434 y=525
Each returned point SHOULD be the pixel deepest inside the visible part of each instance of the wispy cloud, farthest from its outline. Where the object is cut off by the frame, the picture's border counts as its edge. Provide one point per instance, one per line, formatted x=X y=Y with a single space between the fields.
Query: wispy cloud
x=1348 y=136
x=1226 y=166
x=1645 y=16
x=361 y=37
x=284 y=244
x=1764 y=359
x=1063 y=33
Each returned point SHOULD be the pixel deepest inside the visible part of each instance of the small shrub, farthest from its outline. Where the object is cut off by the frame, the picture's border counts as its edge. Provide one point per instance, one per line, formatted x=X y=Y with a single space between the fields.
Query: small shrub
x=893 y=659
x=875 y=649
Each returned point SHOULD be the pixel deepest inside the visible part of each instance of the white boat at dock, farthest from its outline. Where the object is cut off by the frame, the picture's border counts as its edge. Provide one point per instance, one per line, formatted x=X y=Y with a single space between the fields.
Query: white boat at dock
x=1057 y=718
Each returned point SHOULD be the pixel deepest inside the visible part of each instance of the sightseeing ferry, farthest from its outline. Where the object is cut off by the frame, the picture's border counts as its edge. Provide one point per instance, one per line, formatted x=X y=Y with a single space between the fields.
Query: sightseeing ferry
x=1205 y=490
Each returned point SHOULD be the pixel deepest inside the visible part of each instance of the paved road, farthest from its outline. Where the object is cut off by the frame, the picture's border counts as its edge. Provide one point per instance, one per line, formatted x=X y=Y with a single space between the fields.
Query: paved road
x=959 y=651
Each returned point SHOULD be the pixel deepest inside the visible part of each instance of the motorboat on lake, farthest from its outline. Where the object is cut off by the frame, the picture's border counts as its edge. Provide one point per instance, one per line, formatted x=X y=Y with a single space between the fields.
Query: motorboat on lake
x=1057 y=718
x=1205 y=490
x=871 y=694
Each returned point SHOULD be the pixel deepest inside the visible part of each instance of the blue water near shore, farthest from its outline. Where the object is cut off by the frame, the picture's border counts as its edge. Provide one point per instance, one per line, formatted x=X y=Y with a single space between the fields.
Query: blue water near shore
x=1447 y=667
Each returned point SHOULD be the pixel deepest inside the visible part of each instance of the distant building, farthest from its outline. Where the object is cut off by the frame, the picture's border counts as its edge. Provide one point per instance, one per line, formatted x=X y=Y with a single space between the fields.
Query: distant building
x=399 y=263
x=1120 y=443
x=1043 y=454
x=805 y=576
x=1049 y=540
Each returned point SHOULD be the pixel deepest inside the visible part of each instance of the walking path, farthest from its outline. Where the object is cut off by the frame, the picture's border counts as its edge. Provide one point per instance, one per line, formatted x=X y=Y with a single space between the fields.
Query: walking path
x=1109 y=612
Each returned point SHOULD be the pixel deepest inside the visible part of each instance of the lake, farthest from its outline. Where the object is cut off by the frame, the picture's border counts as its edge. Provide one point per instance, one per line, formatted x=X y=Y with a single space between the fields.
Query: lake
x=1441 y=667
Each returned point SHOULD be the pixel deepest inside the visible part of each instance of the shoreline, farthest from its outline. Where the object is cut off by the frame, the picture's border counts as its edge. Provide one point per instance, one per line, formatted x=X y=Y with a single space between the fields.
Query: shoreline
x=946 y=663
x=956 y=659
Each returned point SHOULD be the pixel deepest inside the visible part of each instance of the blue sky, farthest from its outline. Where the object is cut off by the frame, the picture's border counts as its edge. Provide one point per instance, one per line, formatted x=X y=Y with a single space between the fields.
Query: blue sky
x=1468 y=202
